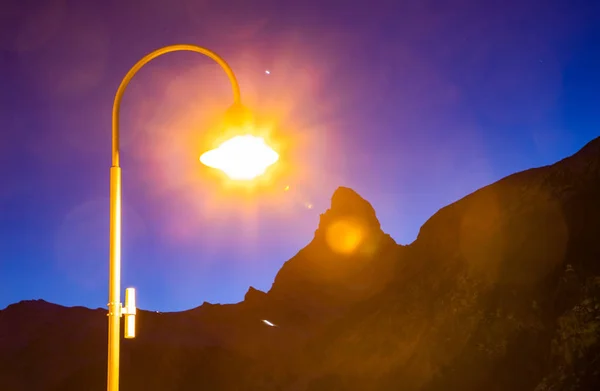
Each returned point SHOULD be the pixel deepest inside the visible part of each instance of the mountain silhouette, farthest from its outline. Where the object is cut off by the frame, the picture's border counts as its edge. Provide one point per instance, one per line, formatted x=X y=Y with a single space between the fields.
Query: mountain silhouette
x=500 y=291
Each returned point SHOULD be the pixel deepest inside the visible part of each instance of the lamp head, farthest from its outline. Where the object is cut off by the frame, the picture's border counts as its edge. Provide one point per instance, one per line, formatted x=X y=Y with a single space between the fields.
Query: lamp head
x=244 y=156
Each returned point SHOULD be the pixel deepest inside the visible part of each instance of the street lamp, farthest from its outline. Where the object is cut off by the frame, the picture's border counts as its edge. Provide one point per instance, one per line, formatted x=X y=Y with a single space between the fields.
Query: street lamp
x=241 y=158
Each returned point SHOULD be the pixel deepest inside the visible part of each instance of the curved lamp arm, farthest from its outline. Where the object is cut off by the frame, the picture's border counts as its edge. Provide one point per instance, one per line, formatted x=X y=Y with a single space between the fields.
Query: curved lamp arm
x=150 y=56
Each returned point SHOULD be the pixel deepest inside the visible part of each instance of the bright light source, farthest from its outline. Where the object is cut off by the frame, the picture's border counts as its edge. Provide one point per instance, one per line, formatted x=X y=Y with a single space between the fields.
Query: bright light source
x=241 y=157
x=267 y=72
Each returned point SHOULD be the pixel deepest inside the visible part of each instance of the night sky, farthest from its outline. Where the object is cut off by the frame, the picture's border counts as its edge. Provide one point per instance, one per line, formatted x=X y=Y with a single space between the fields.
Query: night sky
x=413 y=103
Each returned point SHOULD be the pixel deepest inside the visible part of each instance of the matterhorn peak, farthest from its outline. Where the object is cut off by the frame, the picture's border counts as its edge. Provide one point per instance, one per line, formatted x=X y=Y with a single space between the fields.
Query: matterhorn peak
x=346 y=203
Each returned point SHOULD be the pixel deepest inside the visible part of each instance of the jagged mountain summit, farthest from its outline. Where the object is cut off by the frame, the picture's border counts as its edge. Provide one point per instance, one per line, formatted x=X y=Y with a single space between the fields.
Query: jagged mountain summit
x=500 y=291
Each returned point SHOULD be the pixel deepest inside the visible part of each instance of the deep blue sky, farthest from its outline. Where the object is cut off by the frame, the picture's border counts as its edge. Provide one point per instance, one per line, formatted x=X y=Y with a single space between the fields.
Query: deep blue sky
x=412 y=103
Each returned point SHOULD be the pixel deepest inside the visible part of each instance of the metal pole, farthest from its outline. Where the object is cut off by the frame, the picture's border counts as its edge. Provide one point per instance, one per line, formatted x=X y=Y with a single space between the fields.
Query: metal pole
x=114 y=284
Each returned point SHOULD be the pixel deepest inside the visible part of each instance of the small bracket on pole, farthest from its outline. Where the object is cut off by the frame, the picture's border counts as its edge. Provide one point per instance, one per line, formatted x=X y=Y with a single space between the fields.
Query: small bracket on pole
x=114 y=309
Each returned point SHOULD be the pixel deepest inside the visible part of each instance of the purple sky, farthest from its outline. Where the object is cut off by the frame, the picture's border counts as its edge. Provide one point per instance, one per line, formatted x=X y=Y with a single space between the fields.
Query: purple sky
x=414 y=104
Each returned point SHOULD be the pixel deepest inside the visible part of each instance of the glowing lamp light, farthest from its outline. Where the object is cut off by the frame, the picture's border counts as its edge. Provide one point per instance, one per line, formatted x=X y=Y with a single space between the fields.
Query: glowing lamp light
x=241 y=157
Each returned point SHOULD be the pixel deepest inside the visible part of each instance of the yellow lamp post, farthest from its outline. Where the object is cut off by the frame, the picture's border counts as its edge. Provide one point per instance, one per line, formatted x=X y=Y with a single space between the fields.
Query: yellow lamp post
x=243 y=157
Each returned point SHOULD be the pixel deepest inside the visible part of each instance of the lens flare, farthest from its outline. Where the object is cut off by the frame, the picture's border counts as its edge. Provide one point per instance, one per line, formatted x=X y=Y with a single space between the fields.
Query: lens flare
x=345 y=236
x=268 y=323
x=241 y=157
